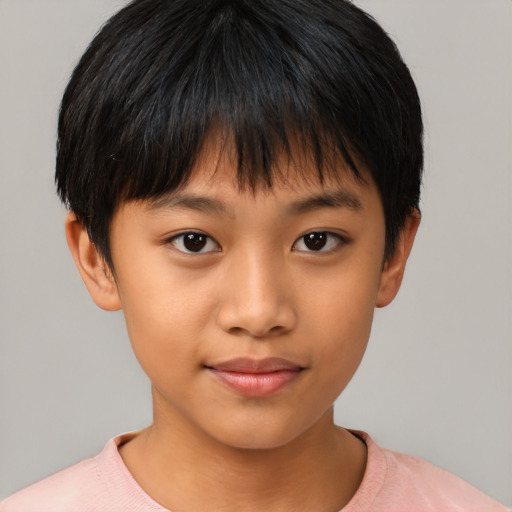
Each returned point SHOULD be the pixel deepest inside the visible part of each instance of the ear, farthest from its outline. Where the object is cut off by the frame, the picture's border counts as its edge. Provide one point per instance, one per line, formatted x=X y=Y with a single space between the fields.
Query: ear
x=95 y=272
x=394 y=267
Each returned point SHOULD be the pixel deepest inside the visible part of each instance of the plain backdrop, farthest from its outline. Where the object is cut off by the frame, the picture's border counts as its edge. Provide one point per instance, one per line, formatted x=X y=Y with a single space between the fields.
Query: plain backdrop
x=437 y=378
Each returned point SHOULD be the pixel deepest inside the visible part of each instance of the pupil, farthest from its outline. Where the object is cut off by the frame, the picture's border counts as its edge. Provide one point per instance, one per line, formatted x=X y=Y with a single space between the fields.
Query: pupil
x=194 y=241
x=315 y=241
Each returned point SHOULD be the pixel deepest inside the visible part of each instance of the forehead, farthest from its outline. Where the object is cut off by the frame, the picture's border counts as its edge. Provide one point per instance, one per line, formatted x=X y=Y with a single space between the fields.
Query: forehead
x=214 y=194
x=295 y=172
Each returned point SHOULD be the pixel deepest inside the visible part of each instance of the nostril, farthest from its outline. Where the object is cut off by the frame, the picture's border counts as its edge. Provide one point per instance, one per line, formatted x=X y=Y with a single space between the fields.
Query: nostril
x=258 y=333
x=277 y=329
x=237 y=331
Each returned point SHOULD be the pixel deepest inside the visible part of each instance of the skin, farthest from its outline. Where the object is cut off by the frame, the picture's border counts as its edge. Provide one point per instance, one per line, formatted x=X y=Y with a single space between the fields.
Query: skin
x=256 y=290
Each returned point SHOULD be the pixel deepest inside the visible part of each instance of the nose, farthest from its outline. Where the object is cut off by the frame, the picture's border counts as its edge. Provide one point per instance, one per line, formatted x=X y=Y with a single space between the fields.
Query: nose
x=257 y=299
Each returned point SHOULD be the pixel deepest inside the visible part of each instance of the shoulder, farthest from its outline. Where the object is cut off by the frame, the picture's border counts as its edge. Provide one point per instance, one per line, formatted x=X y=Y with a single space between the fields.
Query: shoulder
x=74 y=485
x=102 y=483
x=394 y=481
x=438 y=488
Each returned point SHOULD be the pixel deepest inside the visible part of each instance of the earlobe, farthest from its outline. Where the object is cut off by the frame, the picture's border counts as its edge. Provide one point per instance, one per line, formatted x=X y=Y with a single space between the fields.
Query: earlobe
x=95 y=272
x=394 y=268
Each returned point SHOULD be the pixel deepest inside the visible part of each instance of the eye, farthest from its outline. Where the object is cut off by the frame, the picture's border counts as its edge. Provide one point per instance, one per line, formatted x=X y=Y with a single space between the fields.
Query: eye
x=318 y=241
x=194 y=242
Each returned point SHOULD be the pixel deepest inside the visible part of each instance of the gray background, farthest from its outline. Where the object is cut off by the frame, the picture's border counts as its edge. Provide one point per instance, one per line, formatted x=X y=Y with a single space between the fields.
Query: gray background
x=437 y=378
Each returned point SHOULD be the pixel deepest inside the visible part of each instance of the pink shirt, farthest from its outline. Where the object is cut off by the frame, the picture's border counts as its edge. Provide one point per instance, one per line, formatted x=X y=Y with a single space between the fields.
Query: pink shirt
x=392 y=483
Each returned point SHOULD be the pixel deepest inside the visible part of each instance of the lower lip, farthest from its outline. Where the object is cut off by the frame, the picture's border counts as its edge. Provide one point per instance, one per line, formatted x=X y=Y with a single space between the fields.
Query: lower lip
x=256 y=385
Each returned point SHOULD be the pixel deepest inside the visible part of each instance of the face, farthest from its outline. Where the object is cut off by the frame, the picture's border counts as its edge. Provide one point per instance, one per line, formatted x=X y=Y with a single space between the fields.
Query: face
x=250 y=311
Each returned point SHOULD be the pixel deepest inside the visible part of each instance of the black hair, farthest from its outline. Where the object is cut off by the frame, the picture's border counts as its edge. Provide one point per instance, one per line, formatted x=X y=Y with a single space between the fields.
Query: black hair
x=161 y=74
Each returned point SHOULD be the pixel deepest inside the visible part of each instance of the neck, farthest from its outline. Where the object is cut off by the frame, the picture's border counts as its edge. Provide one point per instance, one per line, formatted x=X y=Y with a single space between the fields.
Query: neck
x=185 y=470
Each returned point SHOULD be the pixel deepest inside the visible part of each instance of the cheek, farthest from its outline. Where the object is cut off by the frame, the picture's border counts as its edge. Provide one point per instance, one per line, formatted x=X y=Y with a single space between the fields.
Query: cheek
x=343 y=322
x=342 y=353
x=165 y=312
x=343 y=300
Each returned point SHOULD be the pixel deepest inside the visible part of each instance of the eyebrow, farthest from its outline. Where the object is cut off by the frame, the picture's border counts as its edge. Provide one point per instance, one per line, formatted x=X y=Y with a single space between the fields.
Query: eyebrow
x=191 y=202
x=336 y=199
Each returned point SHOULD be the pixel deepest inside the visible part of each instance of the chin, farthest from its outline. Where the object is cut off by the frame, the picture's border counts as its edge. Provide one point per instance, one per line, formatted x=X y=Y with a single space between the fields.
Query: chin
x=257 y=436
x=258 y=442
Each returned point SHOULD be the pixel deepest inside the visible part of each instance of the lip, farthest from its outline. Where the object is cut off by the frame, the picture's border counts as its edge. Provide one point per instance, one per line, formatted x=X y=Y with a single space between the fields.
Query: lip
x=256 y=378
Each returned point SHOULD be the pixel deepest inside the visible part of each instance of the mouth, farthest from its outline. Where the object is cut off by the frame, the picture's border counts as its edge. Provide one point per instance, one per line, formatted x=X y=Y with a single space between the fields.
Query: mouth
x=256 y=378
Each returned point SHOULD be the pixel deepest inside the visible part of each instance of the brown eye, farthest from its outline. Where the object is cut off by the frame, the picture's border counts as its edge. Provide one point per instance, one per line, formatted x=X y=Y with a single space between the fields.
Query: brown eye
x=315 y=241
x=193 y=242
x=319 y=241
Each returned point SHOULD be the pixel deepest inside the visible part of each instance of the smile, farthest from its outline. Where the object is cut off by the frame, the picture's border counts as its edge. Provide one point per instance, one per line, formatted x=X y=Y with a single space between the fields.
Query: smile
x=256 y=378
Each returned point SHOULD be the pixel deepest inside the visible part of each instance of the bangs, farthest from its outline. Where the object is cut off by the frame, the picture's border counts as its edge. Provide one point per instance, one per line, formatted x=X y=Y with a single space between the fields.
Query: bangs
x=246 y=76
x=272 y=76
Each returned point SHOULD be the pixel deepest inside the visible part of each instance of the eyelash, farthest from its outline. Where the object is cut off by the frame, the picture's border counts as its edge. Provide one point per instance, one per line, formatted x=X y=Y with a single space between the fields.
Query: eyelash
x=336 y=241
x=180 y=239
x=334 y=238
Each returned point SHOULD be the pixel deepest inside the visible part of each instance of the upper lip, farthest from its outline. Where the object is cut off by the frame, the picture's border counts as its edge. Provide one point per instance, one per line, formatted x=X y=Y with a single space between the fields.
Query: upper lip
x=249 y=365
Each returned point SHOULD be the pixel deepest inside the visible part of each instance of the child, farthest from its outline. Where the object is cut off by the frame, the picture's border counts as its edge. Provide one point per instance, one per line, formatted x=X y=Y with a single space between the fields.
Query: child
x=243 y=182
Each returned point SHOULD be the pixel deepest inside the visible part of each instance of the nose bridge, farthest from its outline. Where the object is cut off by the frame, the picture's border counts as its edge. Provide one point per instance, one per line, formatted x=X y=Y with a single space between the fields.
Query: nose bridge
x=257 y=298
